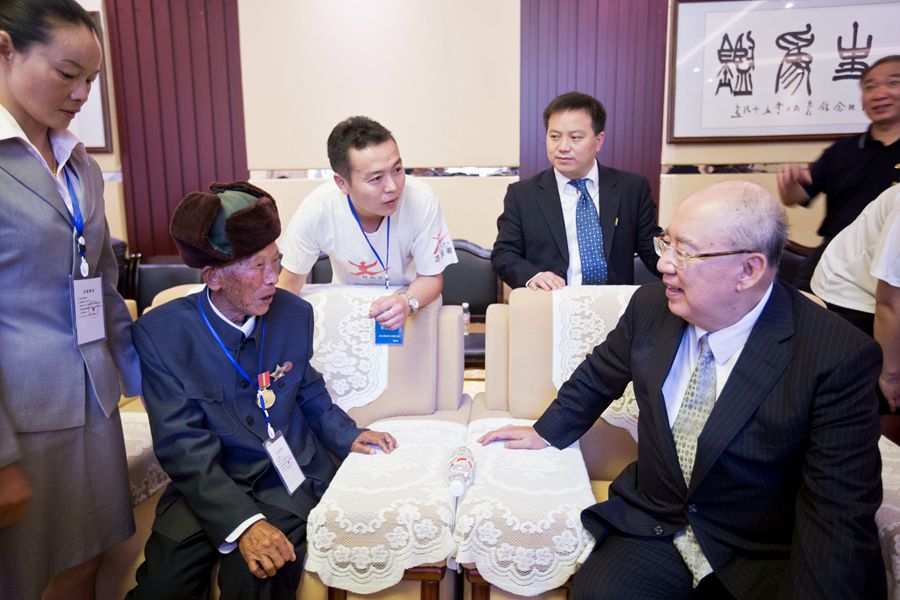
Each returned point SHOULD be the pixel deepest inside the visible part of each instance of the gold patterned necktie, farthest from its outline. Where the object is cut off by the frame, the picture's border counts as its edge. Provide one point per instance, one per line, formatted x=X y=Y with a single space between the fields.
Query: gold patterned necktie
x=695 y=408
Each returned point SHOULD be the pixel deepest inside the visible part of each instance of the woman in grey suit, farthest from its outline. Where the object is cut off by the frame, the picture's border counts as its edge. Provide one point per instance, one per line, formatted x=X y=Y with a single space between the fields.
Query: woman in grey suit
x=65 y=335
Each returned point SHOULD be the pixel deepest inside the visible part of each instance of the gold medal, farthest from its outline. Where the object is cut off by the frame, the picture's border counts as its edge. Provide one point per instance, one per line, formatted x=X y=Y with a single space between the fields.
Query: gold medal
x=268 y=398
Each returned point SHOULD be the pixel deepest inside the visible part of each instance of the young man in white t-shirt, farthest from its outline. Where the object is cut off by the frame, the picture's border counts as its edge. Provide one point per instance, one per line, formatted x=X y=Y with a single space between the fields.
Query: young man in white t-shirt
x=376 y=227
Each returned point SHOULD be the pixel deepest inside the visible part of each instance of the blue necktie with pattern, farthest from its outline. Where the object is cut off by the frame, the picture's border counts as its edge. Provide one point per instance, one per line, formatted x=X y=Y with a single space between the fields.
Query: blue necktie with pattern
x=699 y=398
x=590 y=237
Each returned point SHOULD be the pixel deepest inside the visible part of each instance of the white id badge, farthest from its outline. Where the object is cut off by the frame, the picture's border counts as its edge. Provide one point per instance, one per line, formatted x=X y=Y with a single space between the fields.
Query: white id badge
x=285 y=463
x=90 y=325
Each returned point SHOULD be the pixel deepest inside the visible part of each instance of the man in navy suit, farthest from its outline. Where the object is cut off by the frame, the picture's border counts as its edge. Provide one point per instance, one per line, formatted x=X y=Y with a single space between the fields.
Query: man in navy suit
x=544 y=240
x=758 y=470
x=241 y=422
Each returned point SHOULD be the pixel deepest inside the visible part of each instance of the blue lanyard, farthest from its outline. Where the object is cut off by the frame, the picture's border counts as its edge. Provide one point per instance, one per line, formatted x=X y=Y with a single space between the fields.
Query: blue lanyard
x=384 y=264
x=239 y=368
x=78 y=221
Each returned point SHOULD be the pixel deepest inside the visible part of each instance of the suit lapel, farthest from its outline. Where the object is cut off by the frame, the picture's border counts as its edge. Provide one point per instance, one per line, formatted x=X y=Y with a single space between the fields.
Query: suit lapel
x=608 y=198
x=22 y=166
x=763 y=360
x=551 y=208
x=665 y=346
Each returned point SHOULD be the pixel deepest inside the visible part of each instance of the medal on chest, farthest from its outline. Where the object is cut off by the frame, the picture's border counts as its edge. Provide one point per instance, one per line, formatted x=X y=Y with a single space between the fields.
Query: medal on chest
x=265 y=397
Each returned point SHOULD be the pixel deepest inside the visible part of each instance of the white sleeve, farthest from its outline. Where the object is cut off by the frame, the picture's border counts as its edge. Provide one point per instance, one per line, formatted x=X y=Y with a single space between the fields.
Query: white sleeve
x=432 y=248
x=886 y=260
x=230 y=542
x=299 y=243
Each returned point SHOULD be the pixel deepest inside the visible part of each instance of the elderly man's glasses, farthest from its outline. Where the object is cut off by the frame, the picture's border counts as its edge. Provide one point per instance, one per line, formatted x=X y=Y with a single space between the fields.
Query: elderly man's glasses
x=664 y=247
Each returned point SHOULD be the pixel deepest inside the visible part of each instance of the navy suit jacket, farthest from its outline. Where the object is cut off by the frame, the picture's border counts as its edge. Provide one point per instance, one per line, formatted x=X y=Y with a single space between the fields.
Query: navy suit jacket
x=787 y=476
x=531 y=233
x=208 y=432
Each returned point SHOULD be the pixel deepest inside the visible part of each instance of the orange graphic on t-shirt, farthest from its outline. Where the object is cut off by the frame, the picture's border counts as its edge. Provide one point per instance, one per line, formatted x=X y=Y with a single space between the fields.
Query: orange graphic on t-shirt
x=363 y=268
x=440 y=238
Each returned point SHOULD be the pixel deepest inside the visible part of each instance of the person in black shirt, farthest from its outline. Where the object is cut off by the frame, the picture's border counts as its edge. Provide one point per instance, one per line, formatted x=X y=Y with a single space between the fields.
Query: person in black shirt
x=856 y=169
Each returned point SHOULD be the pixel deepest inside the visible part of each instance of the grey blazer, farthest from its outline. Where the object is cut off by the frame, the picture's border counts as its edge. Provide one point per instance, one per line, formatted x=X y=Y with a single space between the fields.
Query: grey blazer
x=45 y=376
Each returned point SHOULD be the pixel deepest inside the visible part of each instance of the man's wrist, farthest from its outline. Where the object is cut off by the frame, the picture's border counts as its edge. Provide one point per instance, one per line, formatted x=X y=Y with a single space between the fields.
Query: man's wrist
x=411 y=301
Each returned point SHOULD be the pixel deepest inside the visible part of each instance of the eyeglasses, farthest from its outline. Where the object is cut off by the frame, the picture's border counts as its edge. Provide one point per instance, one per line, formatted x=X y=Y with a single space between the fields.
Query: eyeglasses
x=680 y=259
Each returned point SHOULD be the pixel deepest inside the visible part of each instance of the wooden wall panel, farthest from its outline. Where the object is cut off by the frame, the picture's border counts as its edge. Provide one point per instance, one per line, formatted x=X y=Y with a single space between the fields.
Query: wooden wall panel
x=611 y=49
x=180 y=110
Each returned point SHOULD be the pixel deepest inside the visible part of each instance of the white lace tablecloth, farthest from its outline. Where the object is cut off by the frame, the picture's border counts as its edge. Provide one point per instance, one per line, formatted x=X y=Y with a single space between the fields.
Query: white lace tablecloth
x=582 y=318
x=520 y=521
x=144 y=473
x=344 y=350
x=888 y=516
x=385 y=513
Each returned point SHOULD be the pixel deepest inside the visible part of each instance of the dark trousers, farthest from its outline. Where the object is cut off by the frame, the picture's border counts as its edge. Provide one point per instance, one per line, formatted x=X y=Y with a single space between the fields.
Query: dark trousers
x=624 y=567
x=181 y=571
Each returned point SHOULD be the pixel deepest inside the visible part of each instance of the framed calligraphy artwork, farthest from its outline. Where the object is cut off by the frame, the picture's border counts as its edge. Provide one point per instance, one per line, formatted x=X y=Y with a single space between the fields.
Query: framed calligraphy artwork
x=767 y=70
x=91 y=124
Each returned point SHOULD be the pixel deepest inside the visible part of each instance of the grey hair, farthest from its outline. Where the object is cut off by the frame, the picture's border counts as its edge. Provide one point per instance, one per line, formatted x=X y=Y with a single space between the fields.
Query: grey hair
x=756 y=220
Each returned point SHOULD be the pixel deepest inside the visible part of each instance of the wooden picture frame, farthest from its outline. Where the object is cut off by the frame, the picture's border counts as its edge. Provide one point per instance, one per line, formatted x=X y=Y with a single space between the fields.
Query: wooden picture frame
x=773 y=70
x=92 y=124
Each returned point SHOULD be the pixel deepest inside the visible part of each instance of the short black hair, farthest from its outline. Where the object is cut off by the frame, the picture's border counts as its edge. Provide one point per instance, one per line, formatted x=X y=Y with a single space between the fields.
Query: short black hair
x=577 y=101
x=883 y=60
x=29 y=22
x=357 y=133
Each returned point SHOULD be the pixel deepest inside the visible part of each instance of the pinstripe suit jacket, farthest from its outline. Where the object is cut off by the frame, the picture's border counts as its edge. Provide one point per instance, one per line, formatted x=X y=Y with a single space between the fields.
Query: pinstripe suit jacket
x=44 y=375
x=787 y=475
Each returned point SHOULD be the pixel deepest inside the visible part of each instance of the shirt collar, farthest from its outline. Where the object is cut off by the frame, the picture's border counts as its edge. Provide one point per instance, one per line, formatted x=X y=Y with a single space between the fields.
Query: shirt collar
x=63 y=141
x=593 y=176
x=725 y=342
x=248 y=326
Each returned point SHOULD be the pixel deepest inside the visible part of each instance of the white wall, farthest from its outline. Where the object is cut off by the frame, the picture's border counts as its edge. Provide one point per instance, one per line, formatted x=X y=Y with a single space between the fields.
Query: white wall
x=442 y=76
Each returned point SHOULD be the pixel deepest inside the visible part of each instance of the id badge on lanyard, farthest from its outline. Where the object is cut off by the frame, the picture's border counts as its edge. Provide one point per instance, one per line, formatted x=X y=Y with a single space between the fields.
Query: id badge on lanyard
x=87 y=302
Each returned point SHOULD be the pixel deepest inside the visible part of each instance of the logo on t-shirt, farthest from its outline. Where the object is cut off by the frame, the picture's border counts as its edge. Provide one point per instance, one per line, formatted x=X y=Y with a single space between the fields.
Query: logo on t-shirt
x=442 y=246
x=363 y=269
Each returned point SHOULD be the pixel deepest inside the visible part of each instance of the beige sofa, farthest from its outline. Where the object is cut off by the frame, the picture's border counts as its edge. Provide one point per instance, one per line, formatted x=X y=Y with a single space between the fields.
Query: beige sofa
x=433 y=345
x=519 y=384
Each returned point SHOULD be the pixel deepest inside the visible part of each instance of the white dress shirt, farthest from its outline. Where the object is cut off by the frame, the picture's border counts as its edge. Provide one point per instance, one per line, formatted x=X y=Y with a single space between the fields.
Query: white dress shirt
x=568 y=197
x=726 y=346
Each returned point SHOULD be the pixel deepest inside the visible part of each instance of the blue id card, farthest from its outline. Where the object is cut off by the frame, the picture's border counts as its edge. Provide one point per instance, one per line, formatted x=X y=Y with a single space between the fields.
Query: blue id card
x=387 y=336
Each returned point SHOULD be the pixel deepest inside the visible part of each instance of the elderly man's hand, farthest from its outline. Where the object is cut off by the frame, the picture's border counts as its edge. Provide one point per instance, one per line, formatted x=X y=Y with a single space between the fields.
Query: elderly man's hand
x=367 y=439
x=516 y=436
x=15 y=495
x=265 y=549
x=390 y=311
x=547 y=281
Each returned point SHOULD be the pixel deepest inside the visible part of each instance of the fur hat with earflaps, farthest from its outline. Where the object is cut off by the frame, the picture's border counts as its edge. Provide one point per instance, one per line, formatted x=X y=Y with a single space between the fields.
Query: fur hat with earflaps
x=230 y=222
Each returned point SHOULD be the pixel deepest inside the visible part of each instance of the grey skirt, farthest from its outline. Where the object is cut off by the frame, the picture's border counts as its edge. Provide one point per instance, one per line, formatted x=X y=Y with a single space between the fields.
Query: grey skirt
x=81 y=503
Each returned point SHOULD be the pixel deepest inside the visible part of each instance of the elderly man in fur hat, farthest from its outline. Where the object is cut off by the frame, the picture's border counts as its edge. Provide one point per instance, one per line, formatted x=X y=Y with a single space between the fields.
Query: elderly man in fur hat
x=241 y=422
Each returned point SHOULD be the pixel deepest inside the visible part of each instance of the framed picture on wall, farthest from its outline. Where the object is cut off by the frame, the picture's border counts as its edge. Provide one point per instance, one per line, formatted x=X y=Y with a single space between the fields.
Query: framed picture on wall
x=767 y=70
x=91 y=125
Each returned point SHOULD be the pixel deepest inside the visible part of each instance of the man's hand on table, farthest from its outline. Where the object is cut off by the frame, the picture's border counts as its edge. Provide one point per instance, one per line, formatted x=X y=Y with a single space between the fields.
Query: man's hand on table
x=516 y=436
x=265 y=549
x=367 y=439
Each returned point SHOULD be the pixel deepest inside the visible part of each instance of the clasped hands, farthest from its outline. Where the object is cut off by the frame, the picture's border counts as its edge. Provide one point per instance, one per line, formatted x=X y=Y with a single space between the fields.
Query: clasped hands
x=266 y=549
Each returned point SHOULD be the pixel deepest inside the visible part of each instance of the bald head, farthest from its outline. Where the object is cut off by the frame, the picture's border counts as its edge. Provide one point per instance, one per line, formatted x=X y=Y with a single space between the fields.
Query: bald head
x=746 y=214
